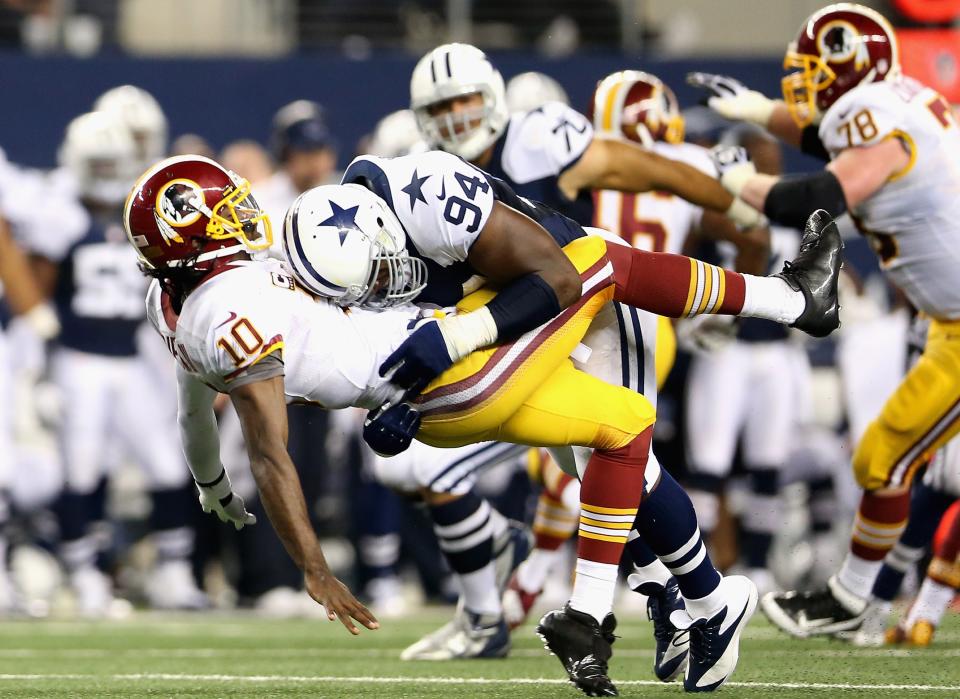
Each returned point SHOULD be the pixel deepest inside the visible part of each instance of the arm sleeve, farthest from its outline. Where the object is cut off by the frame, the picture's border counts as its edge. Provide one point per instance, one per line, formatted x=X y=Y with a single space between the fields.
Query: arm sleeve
x=197 y=425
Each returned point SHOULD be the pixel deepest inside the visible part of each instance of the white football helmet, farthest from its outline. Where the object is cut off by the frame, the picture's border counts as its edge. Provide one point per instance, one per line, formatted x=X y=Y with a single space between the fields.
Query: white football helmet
x=396 y=134
x=527 y=91
x=344 y=243
x=143 y=116
x=100 y=155
x=450 y=71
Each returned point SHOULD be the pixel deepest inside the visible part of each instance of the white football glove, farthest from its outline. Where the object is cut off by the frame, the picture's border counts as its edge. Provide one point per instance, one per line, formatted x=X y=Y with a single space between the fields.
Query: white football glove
x=706 y=333
x=732 y=99
x=218 y=497
x=735 y=167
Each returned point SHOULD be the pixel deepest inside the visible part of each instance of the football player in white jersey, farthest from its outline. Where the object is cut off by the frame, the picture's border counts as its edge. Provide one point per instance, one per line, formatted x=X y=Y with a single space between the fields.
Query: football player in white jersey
x=549 y=154
x=893 y=147
x=235 y=317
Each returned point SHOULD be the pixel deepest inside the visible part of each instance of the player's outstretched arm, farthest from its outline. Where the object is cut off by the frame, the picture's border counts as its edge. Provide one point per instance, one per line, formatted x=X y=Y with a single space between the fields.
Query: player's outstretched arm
x=846 y=182
x=623 y=166
x=262 y=408
x=733 y=100
x=21 y=289
x=200 y=440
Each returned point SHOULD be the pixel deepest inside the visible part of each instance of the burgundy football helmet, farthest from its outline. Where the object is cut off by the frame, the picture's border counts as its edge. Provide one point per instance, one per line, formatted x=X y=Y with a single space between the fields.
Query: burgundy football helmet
x=188 y=211
x=838 y=48
x=638 y=106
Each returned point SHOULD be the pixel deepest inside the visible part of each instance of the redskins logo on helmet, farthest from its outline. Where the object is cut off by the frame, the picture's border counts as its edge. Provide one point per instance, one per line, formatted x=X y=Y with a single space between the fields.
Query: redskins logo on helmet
x=838 y=48
x=188 y=210
x=637 y=106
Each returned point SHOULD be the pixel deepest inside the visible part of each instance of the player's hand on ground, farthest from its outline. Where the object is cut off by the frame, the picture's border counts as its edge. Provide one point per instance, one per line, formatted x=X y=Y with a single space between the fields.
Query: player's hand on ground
x=731 y=99
x=391 y=429
x=419 y=360
x=339 y=602
x=218 y=497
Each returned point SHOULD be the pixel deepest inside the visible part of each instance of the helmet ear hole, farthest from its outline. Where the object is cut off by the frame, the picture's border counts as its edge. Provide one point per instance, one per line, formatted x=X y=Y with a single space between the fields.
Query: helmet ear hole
x=379 y=221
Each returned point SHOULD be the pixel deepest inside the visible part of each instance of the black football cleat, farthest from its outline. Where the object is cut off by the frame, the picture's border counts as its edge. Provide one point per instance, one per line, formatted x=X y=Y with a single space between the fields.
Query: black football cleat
x=583 y=646
x=826 y=611
x=814 y=272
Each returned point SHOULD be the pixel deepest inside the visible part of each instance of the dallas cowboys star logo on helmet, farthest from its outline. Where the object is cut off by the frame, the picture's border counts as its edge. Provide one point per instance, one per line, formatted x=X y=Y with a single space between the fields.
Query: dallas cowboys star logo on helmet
x=342 y=219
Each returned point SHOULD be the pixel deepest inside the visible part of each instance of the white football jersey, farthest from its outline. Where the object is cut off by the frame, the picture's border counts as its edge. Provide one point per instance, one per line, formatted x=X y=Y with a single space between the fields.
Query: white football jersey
x=544 y=142
x=654 y=221
x=239 y=317
x=913 y=221
x=442 y=201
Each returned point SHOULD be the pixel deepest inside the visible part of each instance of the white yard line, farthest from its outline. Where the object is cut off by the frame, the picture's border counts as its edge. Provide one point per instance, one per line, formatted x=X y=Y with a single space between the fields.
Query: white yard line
x=395 y=652
x=327 y=679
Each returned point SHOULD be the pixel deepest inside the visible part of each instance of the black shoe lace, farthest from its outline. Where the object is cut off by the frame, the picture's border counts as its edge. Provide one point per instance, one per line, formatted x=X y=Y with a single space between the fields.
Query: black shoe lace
x=704 y=643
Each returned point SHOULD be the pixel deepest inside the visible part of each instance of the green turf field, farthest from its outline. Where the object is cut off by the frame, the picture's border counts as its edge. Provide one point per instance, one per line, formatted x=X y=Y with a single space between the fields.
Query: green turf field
x=235 y=656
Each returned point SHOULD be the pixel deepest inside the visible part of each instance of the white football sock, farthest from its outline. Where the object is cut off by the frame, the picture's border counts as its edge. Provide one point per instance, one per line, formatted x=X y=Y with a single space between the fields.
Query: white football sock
x=593 y=588
x=771 y=298
x=480 y=593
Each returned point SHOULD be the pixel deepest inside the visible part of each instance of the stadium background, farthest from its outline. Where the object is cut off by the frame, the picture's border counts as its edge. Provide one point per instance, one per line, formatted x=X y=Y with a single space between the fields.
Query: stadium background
x=221 y=68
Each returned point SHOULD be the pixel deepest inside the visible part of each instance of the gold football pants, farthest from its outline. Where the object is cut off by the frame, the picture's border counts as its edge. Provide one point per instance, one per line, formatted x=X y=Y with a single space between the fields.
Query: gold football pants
x=528 y=391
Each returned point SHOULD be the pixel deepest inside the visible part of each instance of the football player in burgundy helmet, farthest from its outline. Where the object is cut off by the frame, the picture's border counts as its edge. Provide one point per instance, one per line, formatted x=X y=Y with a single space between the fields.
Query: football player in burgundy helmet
x=193 y=222
x=892 y=146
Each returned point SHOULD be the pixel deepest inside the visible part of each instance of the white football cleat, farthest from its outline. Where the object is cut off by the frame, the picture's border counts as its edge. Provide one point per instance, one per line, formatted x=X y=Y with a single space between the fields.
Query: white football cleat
x=171 y=586
x=468 y=635
x=715 y=642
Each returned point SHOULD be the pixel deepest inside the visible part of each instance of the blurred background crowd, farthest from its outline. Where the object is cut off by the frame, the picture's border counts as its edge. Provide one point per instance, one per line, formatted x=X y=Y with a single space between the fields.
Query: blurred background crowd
x=97 y=509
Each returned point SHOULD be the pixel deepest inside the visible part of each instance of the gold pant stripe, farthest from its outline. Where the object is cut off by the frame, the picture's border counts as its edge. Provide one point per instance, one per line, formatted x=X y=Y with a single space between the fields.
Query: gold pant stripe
x=692 y=292
x=722 y=290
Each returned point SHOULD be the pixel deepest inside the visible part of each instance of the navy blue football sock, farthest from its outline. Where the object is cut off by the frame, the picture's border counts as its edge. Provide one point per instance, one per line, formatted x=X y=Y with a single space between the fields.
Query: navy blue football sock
x=667 y=523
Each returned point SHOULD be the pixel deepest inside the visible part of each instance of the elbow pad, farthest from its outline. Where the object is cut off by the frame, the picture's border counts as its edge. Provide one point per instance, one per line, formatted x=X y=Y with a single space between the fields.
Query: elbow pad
x=524 y=304
x=791 y=200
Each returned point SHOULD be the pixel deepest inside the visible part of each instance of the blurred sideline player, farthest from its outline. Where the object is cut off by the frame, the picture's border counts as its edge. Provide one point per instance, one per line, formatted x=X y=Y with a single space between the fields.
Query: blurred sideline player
x=23 y=299
x=306 y=156
x=638 y=107
x=103 y=378
x=893 y=148
x=531 y=90
x=755 y=375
